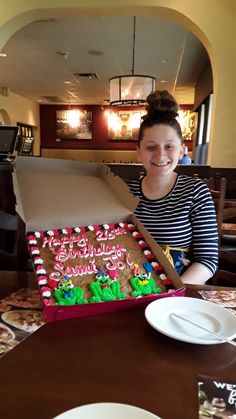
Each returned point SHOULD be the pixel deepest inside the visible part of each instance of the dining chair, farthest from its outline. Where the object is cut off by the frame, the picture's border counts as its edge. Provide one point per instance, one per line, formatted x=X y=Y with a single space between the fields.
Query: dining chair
x=226 y=272
x=230 y=189
x=224 y=278
x=218 y=196
x=13 y=246
x=228 y=237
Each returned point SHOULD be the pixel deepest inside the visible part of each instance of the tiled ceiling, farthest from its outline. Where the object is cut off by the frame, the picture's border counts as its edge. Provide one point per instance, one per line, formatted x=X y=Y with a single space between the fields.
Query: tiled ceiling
x=45 y=54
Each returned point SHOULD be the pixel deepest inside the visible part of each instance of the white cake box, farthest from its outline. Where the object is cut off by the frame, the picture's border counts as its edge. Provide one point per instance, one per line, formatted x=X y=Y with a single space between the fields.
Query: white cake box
x=56 y=194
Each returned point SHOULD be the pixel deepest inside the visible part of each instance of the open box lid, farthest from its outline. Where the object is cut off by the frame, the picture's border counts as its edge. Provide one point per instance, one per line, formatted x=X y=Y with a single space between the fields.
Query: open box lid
x=57 y=193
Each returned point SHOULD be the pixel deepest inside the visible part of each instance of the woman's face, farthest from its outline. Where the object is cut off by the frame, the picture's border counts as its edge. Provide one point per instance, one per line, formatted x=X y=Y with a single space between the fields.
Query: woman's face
x=160 y=150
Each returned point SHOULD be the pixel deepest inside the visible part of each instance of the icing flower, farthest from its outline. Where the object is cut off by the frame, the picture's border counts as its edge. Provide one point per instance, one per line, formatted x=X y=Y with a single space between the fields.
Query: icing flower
x=46 y=292
x=113 y=274
x=38 y=261
x=77 y=229
x=142 y=244
x=65 y=231
x=38 y=234
x=136 y=269
x=47 y=302
x=162 y=276
x=40 y=270
x=149 y=254
x=32 y=241
x=52 y=283
x=131 y=226
x=90 y=228
x=34 y=250
x=122 y=225
x=106 y=226
x=156 y=266
x=136 y=235
x=167 y=282
x=42 y=280
x=50 y=232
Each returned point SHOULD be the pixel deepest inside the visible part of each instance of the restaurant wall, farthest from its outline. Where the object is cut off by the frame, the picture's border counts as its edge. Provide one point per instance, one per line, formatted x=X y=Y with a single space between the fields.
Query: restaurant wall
x=15 y=108
x=212 y=21
x=99 y=148
x=204 y=87
x=99 y=139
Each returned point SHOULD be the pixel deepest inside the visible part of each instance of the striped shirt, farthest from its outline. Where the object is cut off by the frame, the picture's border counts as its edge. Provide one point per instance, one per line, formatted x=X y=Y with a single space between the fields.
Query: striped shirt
x=185 y=218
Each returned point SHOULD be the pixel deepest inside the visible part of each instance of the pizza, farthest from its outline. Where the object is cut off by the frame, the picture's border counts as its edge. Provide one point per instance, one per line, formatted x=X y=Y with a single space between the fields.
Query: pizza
x=25 y=298
x=225 y=298
x=6 y=334
x=28 y=320
x=5 y=347
x=4 y=307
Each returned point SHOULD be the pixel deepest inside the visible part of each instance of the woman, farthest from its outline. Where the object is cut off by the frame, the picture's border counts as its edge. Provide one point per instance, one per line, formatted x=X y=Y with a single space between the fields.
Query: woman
x=177 y=210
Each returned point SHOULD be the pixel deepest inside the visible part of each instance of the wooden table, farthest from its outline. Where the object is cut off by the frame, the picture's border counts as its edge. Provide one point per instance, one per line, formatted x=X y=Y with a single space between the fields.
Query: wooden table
x=114 y=357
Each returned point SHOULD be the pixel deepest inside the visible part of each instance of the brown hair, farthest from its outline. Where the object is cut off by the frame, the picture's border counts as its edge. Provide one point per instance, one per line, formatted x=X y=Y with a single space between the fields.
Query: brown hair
x=161 y=110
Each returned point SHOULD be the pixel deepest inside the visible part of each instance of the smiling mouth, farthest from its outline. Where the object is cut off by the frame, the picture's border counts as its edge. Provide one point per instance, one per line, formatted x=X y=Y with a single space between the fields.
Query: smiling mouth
x=159 y=164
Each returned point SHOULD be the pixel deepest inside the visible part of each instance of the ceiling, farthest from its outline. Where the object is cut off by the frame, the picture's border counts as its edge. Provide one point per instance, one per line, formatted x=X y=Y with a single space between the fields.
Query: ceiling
x=45 y=54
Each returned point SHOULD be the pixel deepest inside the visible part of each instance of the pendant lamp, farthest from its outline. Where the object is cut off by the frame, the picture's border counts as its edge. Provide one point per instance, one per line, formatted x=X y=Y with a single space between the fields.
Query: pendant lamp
x=131 y=89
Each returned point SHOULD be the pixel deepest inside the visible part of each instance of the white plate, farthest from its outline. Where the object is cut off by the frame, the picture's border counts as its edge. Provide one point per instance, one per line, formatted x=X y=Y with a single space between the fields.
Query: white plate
x=209 y=315
x=107 y=411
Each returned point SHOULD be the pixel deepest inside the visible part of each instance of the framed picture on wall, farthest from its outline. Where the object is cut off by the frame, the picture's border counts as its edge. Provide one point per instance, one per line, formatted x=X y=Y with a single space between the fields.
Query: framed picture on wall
x=74 y=124
x=124 y=125
x=188 y=123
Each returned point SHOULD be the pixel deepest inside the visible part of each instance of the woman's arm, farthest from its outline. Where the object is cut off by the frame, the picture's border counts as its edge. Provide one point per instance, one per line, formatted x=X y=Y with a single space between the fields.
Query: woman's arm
x=204 y=238
x=196 y=274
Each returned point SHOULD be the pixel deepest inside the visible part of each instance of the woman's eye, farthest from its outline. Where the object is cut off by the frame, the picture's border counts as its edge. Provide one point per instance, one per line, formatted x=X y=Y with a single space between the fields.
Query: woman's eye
x=150 y=148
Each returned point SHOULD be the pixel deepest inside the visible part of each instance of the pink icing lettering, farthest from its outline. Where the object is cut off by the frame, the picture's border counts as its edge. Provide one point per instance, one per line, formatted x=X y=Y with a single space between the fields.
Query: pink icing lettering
x=99 y=235
x=114 y=264
x=61 y=271
x=57 y=275
x=120 y=264
x=129 y=261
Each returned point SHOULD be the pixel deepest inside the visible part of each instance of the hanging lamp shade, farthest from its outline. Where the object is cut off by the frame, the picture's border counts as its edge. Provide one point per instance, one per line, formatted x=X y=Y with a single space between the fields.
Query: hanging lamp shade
x=131 y=89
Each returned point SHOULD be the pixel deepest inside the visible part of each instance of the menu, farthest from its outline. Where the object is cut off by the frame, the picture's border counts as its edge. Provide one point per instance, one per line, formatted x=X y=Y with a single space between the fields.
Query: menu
x=20 y=315
x=225 y=298
x=216 y=398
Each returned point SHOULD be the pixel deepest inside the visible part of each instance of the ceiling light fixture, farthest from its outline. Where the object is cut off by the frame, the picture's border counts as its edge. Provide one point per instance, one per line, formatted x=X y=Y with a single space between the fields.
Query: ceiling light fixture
x=131 y=89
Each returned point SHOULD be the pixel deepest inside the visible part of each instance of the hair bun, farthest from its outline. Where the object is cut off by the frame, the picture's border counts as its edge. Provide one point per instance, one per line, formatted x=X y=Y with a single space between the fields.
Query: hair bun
x=162 y=102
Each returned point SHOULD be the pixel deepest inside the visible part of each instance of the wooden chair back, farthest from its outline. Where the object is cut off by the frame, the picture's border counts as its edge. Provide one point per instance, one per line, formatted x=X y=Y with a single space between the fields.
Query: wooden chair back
x=226 y=273
x=230 y=188
x=218 y=196
x=13 y=246
x=223 y=278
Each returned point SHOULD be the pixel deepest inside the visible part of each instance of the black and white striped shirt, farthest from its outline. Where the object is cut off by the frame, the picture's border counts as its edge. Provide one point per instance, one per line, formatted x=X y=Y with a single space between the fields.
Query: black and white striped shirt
x=185 y=218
